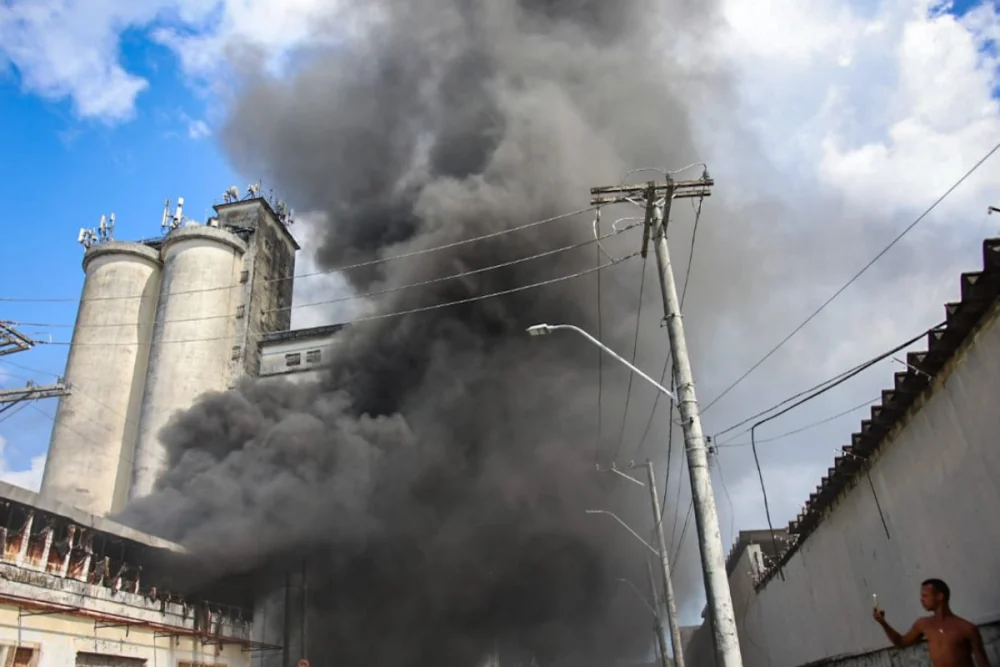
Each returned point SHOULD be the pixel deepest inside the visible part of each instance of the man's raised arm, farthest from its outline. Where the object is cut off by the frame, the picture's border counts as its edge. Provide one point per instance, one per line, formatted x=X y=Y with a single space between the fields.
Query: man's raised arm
x=911 y=637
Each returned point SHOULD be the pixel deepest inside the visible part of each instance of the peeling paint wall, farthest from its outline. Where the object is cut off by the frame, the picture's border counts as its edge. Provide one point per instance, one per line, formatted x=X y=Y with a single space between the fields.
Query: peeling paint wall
x=937 y=479
x=58 y=641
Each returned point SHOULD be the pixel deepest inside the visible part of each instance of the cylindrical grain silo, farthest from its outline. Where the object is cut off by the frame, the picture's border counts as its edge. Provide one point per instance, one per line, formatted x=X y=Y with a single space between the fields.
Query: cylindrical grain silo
x=89 y=462
x=193 y=337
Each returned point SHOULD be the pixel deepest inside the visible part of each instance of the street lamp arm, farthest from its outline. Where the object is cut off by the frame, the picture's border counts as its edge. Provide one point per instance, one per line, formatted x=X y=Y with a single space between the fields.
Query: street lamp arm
x=639 y=595
x=628 y=528
x=543 y=329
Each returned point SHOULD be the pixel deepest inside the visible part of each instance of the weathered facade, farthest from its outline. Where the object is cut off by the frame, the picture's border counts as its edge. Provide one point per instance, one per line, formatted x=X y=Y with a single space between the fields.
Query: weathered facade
x=298 y=354
x=162 y=322
x=76 y=589
x=915 y=496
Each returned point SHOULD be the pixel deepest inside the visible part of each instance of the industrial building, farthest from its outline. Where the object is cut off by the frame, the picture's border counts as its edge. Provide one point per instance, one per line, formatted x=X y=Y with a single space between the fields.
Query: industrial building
x=76 y=589
x=914 y=496
x=162 y=322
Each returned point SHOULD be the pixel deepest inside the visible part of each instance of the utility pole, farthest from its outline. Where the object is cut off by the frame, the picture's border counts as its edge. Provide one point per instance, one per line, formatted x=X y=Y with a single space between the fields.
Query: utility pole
x=13 y=341
x=657 y=197
x=658 y=624
x=668 y=586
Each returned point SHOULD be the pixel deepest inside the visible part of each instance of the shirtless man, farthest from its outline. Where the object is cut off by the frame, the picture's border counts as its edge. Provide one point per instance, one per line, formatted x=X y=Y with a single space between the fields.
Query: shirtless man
x=951 y=641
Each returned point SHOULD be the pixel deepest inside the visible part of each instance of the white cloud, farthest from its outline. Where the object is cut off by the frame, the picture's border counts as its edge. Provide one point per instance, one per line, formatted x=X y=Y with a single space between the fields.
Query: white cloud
x=30 y=478
x=198 y=129
x=70 y=50
x=884 y=104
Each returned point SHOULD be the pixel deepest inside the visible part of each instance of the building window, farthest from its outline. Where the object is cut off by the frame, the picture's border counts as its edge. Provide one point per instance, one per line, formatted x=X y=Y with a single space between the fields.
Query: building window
x=18 y=656
x=294 y=359
x=236 y=353
x=244 y=276
x=313 y=356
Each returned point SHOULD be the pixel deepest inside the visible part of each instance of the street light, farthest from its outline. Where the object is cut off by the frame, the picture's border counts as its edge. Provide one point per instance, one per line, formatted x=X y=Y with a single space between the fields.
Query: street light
x=546 y=329
x=661 y=554
x=628 y=528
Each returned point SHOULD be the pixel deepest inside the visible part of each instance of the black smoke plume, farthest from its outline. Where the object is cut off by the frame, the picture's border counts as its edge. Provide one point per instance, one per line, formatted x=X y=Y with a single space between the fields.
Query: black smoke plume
x=440 y=469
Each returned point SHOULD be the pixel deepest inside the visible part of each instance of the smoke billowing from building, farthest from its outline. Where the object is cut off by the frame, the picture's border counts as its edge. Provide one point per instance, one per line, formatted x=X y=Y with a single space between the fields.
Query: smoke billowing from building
x=441 y=469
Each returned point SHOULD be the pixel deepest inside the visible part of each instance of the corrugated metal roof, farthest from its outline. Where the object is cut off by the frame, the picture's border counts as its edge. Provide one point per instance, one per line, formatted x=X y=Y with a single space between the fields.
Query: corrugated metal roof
x=980 y=290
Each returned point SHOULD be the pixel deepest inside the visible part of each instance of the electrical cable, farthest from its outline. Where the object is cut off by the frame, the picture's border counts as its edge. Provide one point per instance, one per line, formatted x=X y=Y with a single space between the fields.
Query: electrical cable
x=853 y=278
x=680 y=542
x=851 y=371
x=729 y=499
x=355 y=297
x=600 y=352
x=819 y=392
x=13 y=411
x=338 y=269
x=635 y=350
x=729 y=444
x=411 y=311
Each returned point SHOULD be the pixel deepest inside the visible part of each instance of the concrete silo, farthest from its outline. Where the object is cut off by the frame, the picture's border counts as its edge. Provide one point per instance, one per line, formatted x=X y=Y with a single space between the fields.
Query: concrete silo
x=90 y=453
x=193 y=338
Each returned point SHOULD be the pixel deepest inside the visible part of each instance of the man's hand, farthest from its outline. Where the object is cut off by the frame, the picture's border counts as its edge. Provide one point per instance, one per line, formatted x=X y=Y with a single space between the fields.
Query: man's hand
x=878 y=615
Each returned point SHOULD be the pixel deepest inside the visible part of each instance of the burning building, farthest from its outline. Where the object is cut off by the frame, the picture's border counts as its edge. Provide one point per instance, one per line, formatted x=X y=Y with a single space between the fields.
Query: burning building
x=420 y=499
x=79 y=589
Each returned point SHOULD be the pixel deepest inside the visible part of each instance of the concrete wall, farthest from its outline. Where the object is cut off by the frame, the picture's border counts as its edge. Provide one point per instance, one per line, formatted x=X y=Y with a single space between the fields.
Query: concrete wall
x=61 y=618
x=193 y=340
x=267 y=290
x=938 y=482
x=915 y=656
x=91 y=450
x=59 y=641
x=303 y=355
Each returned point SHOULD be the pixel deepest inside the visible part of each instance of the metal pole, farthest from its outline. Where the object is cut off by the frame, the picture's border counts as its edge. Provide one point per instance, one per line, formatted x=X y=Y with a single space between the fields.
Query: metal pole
x=658 y=624
x=713 y=558
x=668 y=586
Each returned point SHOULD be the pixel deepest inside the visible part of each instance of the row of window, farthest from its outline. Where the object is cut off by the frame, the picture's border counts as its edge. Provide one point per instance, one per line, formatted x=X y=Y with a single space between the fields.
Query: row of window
x=295 y=358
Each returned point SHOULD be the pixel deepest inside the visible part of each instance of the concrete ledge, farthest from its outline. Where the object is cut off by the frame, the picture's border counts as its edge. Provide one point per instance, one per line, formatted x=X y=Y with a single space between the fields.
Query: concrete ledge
x=136 y=250
x=915 y=656
x=203 y=233
x=84 y=519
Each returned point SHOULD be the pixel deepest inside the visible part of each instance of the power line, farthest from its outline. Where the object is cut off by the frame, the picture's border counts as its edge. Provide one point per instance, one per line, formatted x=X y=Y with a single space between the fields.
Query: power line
x=729 y=499
x=806 y=399
x=853 y=278
x=446 y=246
x=680 y=542
x=600 y=352
x=835 y=379
x=411 y=311
x=635 y=350
x=730 y=445
x=365 y=295
x=338 y=269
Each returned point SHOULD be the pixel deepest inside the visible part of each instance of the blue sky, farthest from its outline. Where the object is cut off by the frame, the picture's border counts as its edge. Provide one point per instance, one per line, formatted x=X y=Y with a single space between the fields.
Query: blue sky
x=62 y=173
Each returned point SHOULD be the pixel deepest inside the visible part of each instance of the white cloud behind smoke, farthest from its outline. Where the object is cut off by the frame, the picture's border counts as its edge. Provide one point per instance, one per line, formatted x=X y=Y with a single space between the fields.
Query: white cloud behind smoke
x=28 y=478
